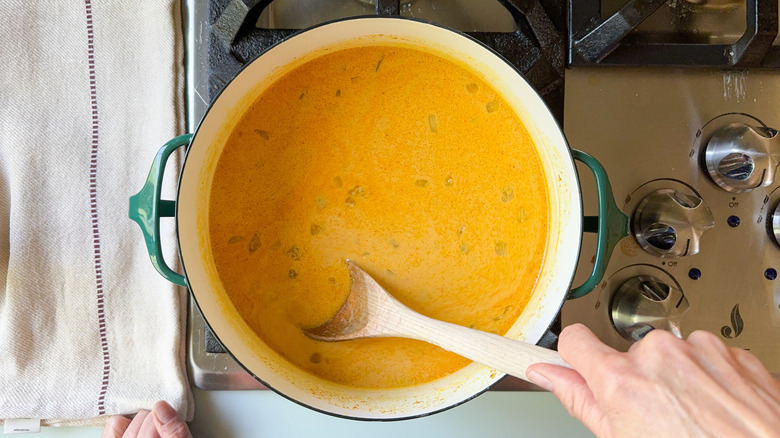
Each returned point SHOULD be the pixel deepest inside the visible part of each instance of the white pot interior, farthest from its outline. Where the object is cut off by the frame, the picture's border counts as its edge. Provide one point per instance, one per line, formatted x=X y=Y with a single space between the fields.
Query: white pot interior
x=562 y=246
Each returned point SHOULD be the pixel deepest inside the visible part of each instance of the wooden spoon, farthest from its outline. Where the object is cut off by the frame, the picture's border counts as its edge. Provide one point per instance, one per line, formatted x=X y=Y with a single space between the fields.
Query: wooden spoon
x=371 y=312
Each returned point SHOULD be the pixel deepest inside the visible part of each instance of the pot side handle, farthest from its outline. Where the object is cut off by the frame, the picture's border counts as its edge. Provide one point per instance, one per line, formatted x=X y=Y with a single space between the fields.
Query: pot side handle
x=146 y=209
x=611 y=225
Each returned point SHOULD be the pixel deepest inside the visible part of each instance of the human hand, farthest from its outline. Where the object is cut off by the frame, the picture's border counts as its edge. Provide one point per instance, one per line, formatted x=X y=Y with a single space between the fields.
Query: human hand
x=663 y=386
x=161 y=422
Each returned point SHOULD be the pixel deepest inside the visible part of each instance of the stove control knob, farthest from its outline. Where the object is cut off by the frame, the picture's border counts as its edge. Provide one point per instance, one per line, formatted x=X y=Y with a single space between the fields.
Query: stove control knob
x=644 y=303
x=668 y=223
x=740 y=158
x=776 y=224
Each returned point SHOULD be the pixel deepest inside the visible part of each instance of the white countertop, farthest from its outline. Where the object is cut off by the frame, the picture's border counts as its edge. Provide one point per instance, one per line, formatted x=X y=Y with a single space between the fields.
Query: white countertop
x=266 y=414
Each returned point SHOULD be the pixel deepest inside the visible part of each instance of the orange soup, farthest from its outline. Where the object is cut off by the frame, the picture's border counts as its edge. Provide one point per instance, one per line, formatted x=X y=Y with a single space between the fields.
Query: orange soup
x=407 y=163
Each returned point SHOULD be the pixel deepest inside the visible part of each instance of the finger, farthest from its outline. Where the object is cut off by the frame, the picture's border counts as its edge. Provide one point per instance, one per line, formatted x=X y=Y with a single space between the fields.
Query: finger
x=581 y=349
x=658 y=341
x=168 y=422
x=573 y=392
x=115 y=426
x=763 y=383
x=148 y=428
x=756 y=369
x=635 y=345
x=714 y=356
x=707 y=342
x=135 y=425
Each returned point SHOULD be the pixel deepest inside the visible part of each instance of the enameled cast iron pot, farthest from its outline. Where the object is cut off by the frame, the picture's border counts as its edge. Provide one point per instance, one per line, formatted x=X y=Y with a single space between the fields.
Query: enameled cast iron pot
x=191 y=206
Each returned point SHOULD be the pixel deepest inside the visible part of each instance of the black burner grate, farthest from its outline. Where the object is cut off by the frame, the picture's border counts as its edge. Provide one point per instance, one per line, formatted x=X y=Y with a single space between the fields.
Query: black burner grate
x=594 y=40
x=537 y=48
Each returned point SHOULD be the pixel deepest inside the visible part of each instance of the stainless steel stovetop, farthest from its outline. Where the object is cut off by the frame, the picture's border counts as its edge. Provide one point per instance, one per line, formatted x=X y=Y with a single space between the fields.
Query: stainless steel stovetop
x=209 y=365
x=704 y=256
x=651 y=129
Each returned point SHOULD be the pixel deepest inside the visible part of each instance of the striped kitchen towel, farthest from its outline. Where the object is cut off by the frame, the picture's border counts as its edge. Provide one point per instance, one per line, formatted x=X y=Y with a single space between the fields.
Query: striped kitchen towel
x=88 y=92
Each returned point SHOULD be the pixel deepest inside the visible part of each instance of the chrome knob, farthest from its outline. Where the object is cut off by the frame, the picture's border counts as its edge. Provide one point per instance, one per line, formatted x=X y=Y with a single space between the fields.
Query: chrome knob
x=740 y=157
x=644 y=303
x=776 y=224
x=668 y=223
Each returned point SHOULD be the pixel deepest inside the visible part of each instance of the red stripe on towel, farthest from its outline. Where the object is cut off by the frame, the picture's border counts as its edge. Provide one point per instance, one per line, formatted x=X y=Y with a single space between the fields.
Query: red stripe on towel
x=93 y=155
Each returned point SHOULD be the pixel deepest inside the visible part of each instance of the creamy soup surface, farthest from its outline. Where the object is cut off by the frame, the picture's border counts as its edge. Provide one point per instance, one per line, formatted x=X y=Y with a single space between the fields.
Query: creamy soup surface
x=401 y=160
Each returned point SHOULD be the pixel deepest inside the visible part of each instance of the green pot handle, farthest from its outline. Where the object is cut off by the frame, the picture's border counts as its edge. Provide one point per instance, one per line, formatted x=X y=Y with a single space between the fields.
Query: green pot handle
x=146 y=209
x=611 y=225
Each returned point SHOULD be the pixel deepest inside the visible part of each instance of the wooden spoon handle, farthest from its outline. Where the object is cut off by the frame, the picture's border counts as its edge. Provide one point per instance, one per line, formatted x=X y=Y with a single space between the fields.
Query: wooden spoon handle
x=501 y=353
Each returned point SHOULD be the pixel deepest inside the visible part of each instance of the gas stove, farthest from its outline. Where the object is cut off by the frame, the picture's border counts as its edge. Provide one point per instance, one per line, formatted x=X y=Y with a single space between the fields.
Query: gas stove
x=675 y=98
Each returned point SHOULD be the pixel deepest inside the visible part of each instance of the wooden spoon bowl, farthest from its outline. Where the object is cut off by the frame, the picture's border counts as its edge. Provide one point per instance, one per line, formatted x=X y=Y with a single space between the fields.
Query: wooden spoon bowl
x=370 y=311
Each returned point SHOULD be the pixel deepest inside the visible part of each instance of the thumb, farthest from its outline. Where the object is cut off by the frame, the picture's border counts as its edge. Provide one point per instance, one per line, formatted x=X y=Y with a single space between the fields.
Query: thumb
x=168 y=422
x=573 y=392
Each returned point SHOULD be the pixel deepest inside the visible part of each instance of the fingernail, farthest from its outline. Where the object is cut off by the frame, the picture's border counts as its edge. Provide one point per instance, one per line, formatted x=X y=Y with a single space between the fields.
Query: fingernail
x=539 y=380
x=164 y=412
